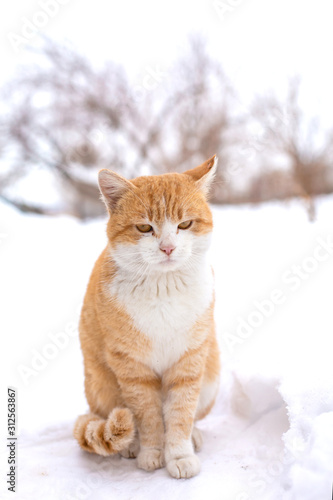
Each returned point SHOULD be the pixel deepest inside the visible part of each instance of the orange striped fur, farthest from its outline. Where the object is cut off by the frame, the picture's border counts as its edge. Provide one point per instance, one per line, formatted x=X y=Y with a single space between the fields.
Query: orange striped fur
x=147 y=327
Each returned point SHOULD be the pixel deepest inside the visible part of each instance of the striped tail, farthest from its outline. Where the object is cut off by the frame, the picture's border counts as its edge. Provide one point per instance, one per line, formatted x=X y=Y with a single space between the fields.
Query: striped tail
x=105 y=437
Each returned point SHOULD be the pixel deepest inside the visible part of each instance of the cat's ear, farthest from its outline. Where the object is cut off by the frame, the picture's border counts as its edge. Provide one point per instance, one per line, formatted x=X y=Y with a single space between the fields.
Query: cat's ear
x=112 y=186
x=203 y=175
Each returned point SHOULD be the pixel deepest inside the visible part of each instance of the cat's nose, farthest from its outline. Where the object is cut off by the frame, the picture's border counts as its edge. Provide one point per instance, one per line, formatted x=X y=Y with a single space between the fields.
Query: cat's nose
x=168 y=249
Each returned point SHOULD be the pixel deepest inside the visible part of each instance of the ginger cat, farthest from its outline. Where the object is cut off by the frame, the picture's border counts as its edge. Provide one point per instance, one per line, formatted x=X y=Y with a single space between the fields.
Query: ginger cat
x=147 y=327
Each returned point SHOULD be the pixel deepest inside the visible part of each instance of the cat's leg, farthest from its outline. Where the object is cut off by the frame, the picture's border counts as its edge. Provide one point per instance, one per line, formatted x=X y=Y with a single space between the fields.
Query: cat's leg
x=209 y=388
x=109 y=428
x=182 y=383
x=211 y=378
x=101 y=387
x=208 y=393
x=197 y=439
x=141 y=391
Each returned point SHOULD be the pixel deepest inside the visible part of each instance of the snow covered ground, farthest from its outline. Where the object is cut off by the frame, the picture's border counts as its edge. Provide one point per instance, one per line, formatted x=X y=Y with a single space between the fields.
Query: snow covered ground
x=270 y=434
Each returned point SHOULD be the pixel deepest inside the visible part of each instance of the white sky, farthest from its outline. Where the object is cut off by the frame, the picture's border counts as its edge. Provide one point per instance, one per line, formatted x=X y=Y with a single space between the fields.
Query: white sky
x=260 y=42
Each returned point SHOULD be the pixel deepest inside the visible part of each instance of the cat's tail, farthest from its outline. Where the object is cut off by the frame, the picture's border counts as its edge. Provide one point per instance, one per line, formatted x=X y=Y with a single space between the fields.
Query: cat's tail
x=105 y=437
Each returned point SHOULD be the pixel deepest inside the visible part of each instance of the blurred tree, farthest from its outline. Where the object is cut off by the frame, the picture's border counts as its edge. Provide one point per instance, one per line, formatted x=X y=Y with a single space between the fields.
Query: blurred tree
x=67 y=117
x=307 y=150
x=58 y=111
x=73 y=119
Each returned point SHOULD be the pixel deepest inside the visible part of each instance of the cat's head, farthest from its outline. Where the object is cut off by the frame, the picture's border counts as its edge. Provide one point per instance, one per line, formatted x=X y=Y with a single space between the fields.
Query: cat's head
x=159 y=223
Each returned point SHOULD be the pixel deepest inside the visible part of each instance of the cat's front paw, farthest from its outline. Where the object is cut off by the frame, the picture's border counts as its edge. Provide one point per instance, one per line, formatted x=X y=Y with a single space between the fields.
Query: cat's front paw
x=150 y=459
x=184 y=467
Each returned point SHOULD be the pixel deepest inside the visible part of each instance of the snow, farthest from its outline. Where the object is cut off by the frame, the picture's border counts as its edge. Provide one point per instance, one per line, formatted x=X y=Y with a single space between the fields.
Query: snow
x=270 y=434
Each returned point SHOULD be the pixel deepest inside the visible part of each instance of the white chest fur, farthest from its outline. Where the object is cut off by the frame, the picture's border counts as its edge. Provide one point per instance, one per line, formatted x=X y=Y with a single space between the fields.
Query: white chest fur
x=165 y=306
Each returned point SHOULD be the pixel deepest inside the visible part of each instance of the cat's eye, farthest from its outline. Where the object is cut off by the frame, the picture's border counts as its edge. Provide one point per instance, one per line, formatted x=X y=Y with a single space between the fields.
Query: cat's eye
x=144 y=228
x=185 y=225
